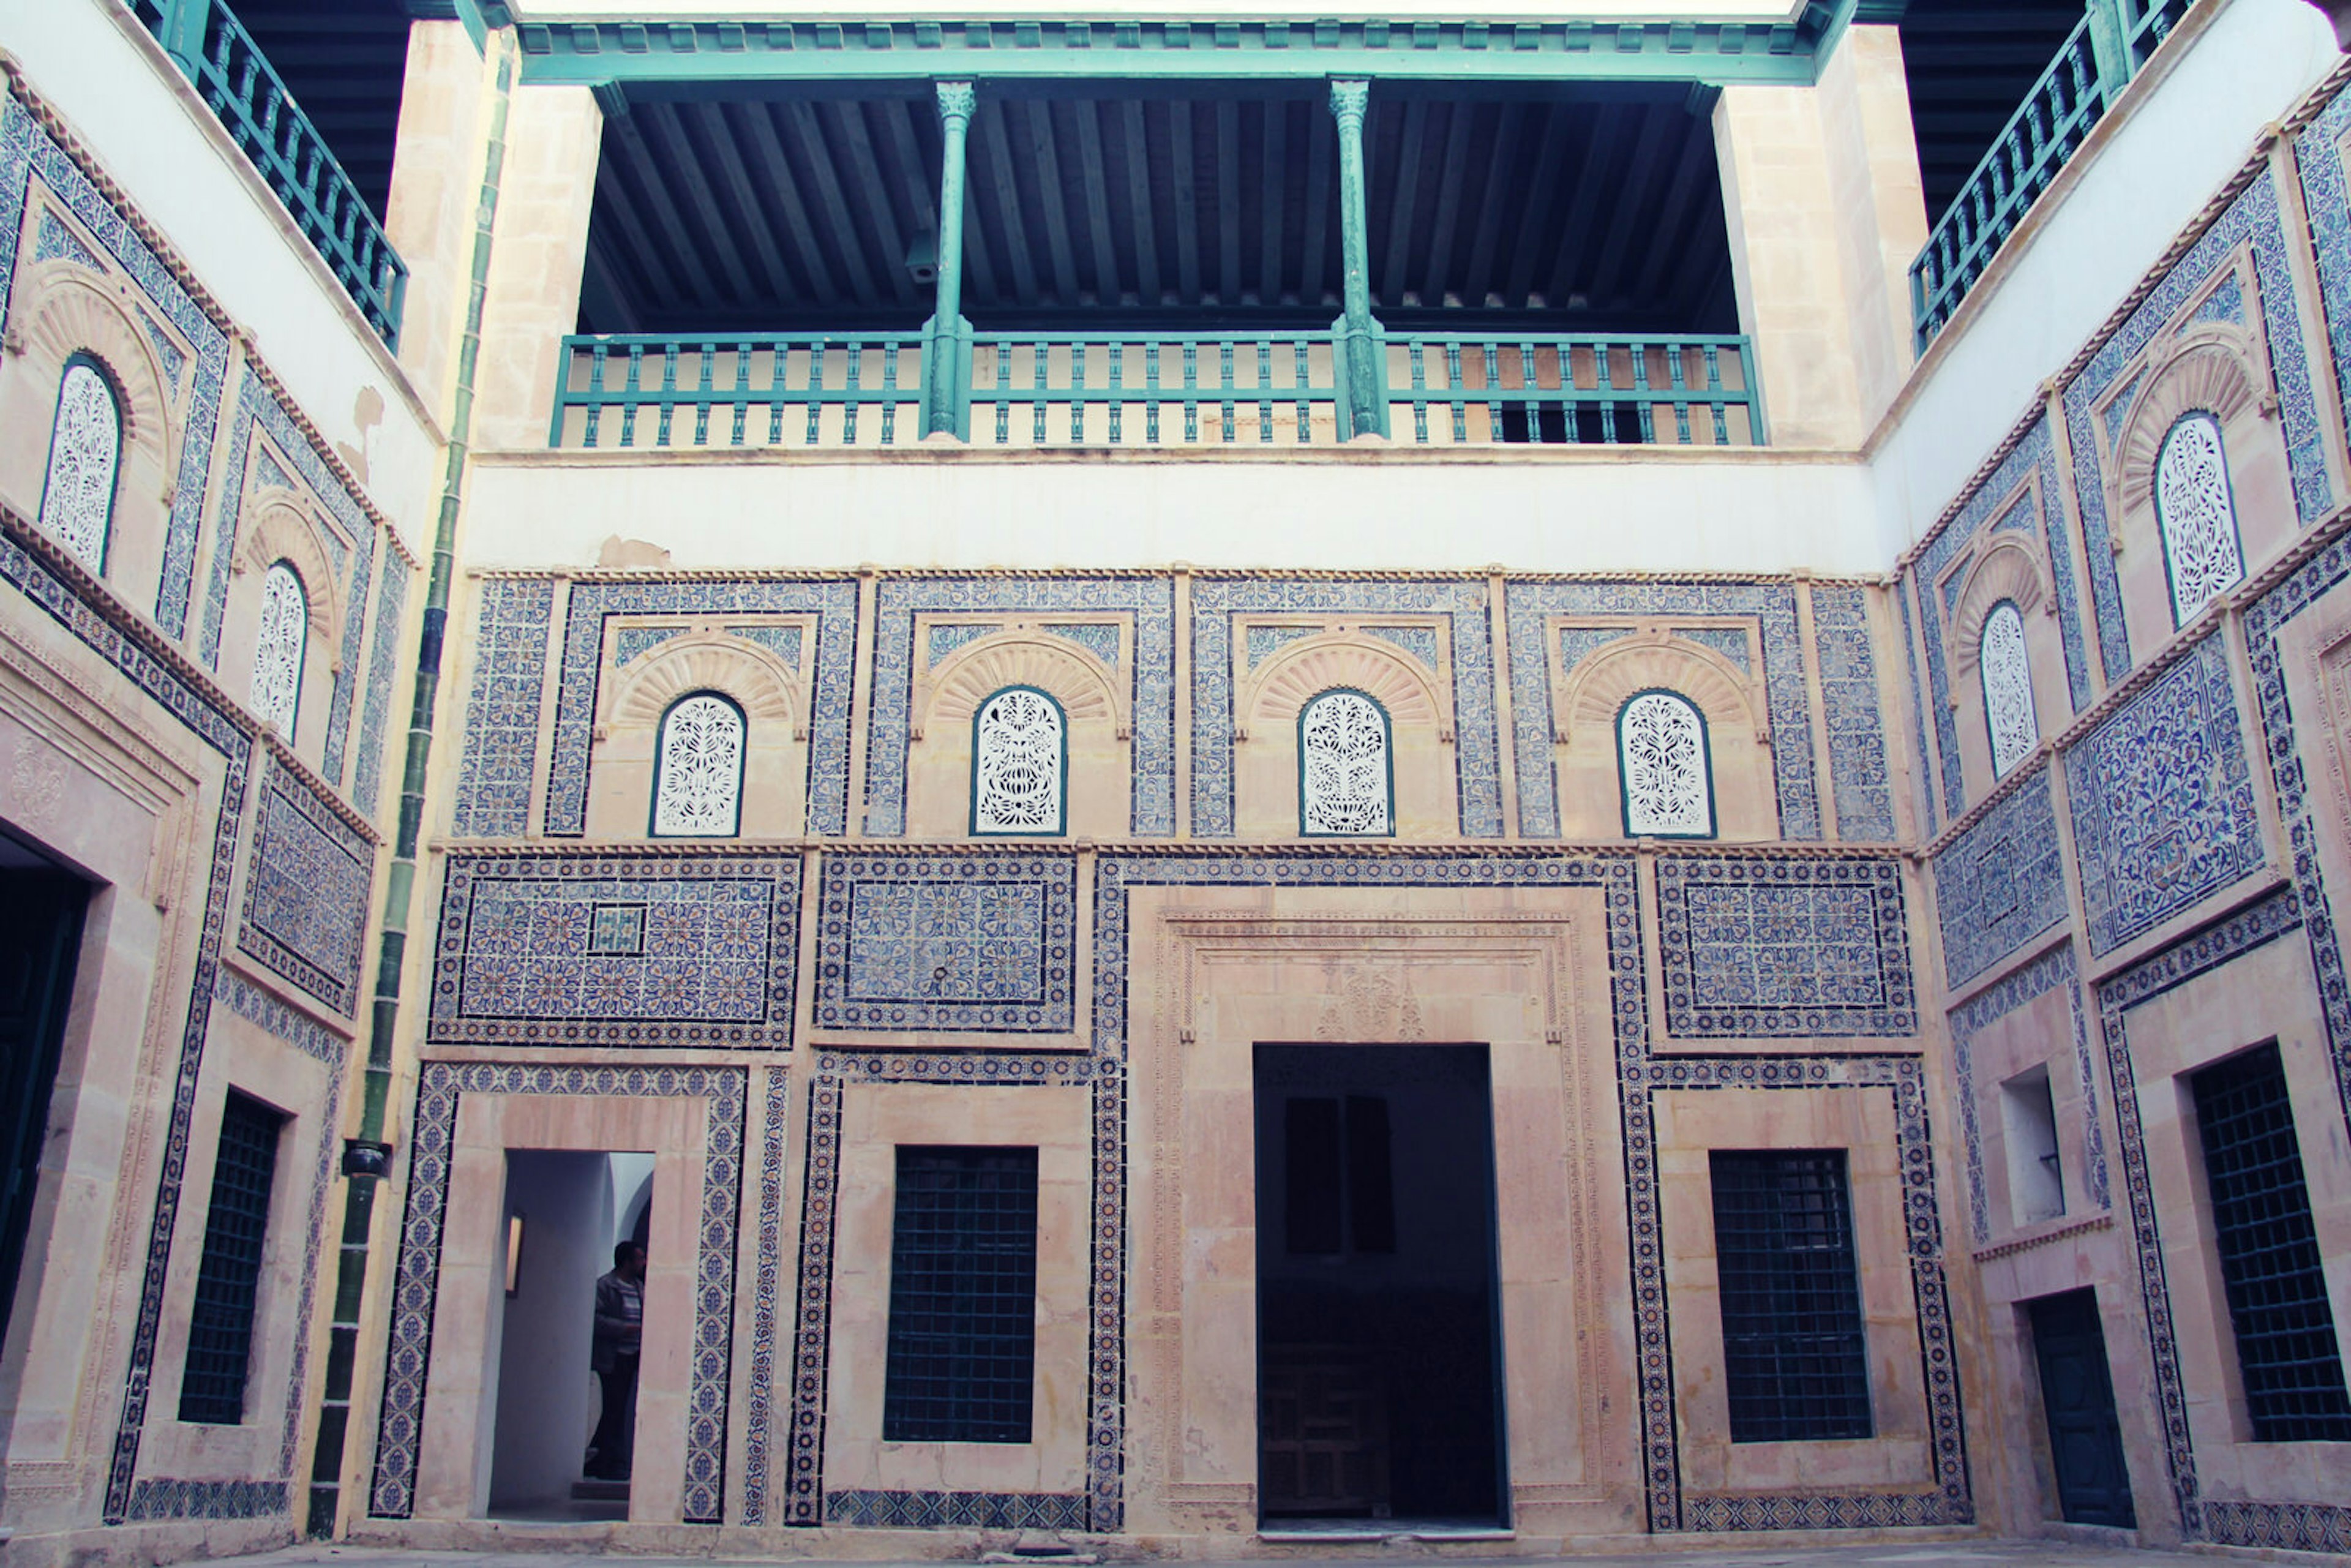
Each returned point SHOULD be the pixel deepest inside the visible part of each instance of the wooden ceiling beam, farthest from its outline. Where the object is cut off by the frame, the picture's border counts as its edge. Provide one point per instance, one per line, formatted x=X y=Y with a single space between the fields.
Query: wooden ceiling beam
x=768 y=151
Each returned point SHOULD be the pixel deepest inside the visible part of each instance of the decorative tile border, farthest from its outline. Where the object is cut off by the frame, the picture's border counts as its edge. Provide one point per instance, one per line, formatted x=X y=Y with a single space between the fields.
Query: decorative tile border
x=347 y=670
x=2052 y=971
x=2000 y=883
x=1217 y=601
x=1856 y=730
x=975 y=940
x=391 y=603
x=502 y=716
x=1757 y=949
x=2318 y=153
x=153 y=1498
x=255 y=1006
x=408 y=1357
x=1150 y=601
x=963 y=1510
x=307 y=898
x=767 y=1300
x=1529 y=607
x=1924 y=795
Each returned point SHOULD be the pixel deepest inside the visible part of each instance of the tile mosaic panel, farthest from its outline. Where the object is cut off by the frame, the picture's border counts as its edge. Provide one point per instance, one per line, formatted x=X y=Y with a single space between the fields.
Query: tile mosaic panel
x=1856 y=731
x=502 y=714
x=784 y=642
x=348 y=671
x=630 y=642
x=619 y=948
x=56 y=240
x=1150 y=600
x=1097 y=638
x=2052 y=971
x=152 y=1499
x=255 y=1006
x=1528 y=606
x=1731 y=642
x=833 y=602
x=955 y=941
x=1577 y=643
x=1263 y=642
x=1758 y=949
x=440 y=1087
x=1217 y=603
x=767 y=1300
x=2163 y=800
x=1998 y=884
x=392 y=605
x=2320 y=157
x=2255 y=217
x=946 y=640
x=307 y=898
x=1420 y=642
x=958 y=1510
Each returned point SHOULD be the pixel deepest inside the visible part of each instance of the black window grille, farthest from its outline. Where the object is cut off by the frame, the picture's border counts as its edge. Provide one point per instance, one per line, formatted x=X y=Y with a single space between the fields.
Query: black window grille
x=963 y=1297
x=2286 y=1353
x=1794 y=1362
x=220 y=1324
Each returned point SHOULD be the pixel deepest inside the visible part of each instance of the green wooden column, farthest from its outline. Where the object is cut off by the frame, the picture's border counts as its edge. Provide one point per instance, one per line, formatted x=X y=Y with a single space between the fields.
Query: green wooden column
x=1360 y=345
x=181 y=33
x=947 y=338
x=2110 y=47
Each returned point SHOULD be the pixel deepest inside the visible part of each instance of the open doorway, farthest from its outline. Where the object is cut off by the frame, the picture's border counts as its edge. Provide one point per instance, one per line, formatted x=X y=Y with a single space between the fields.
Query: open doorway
x=1379 y=1348
x=41 y=910
x=558 y=1453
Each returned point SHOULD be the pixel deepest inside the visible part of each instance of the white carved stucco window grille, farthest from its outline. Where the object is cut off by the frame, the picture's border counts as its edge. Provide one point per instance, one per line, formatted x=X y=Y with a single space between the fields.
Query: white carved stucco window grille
x=278 y=647
x=1019 y=764
x=698 y=773
x=2007 y=672
x=85 y=456
x=2197 y=516
x=1346 y=786
x=1661 y=747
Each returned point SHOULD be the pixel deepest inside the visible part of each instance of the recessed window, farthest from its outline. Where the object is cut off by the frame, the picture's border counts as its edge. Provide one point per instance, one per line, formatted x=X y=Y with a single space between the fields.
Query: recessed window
x=2287 y=1358
x=698 y=773
x=2036 y=1176
x=85 y=456
x=2196 y=513
x=963 y=1297
x=2007 y=673
x=1020 y=763
x=1793 y=1355
x=280 y=642
x=1661 y=750
x=228 y=1279
x=1346 y=787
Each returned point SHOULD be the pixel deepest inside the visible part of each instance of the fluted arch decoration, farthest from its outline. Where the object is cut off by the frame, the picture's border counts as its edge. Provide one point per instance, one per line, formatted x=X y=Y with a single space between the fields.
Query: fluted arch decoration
x=281 y=531
x=2008 y=572
x=66 y=317
x=1076 y=681
x=752 y=676
x=1403 y=688
x=1602 y=683
x=2212 y=373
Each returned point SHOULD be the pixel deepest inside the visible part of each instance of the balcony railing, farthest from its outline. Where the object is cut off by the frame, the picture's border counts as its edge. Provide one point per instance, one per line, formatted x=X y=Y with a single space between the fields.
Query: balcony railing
x=212 y=46
x=1152 y=390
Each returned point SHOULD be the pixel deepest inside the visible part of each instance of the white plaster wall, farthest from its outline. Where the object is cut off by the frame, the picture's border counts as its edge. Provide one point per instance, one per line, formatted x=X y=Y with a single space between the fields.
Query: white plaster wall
x=2142 y=186
x=127 y=105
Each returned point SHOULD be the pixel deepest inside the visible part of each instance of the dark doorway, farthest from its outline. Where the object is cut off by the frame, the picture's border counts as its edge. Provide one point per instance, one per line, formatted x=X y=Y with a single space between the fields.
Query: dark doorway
x=2085 y=1442
x=1379 y=1363
x=40 y=938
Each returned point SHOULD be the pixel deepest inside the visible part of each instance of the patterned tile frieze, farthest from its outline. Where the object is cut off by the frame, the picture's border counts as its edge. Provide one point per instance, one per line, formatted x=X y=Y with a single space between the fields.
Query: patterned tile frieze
x=2162 y=799
x=440 y=1086
x=255 y=1006
x=957 y=941
x=1530 y=606
x=1731 y=642
x=958 y=1510
x=56 y=240
x=631 y=642
x=391 y=603
x=1856 y=730
x=347 y=669
x=152 y=1499
x=1150 y=600
x=1766 y=948
x=1098 y=637
x=619 y=948
x=766 y=1301
x=1925 y=791
x=2326 y=181
x=1999 y=884
x=2053 y=970
x=593 y=601
x=1420 y=642
x=502 y=714
x=1218 y=602
x=946 y=639
x=782 y=641
x=2254 y=218
x=307 y=898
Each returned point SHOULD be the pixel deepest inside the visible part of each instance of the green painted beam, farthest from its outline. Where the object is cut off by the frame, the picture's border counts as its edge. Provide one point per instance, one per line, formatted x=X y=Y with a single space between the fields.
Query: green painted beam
x=717 y=55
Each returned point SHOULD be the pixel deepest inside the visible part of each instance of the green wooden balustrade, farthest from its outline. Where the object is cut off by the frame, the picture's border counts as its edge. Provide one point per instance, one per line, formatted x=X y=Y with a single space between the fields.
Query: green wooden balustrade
x=1149 y=388
x=207 y=42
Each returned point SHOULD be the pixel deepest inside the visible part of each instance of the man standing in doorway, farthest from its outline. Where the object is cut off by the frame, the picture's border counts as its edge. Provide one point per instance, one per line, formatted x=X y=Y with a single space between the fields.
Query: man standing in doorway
x=614 y=1354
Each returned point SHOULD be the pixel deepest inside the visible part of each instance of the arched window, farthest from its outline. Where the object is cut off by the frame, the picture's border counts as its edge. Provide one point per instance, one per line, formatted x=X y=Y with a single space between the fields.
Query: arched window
x=279 y=646
x=85 y=454
x=2197 y=516
x=698 y=769
x=1346 y=788
x=1019 y=764
x=2007 y=673
x=1661 y=747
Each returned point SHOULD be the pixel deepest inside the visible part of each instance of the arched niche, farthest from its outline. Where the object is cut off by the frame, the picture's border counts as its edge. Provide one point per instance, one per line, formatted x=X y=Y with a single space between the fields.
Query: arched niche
x=278 y=529
x=2009 y=571
x=1738 y=730
x=1098 y=788
x=631 y=702
x=1427 y=799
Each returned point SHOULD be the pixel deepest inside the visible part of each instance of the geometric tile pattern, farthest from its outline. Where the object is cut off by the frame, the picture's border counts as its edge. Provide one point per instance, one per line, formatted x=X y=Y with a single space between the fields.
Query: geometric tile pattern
x=766 y=1301
x=2162 y=799
x=1094 y=637
x=709 y=952
x=502 y=716
x=56 y=240
x=1420 y=642
x=392 y=600
x=2053 y=970
x=961 y=1509
x=958 y=941
x=1999 y=884
x=1771 y=604
x=1731 y=643
x=441 y=1086
x=2326 y=197
x=307 y=900
x=1856 y=730
x=347 y=670
x=1926 y=772
x=1756 y=949
x=250 y=1002
x=152 y=1499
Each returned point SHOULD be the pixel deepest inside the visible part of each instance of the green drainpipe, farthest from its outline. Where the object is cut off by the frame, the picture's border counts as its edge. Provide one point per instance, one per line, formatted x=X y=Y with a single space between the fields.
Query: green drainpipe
x=366 y=1156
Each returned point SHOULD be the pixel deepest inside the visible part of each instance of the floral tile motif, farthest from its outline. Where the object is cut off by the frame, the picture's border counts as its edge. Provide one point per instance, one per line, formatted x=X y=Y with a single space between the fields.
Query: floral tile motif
x=307 y=899
x=1420 y=642
x=958 y=1510
x=258 y=1007
x=391 y=604
x=441 y=1086
x=1150 y=600
x=1577 y=643
x=1529 y=607
x=502 y=714
x=619 y=948
x=2052 y=971
x=1924 y=794
x=56 y=240
x=1096 y=637
x=767 y=1303
x=152 y=1499
x=2163 y=800
x=1263 y=642
x=981 y=941
x=631 y=642
x=1999 y=884
x=1758 y=949
x=946 y=640
x=1731 y=642
x=2319 y=156
x=1856 y=730
x=783 y=641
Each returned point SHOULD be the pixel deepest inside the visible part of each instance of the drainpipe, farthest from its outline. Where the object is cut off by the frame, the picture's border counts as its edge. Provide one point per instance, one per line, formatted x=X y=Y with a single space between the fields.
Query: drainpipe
x=368 y=1157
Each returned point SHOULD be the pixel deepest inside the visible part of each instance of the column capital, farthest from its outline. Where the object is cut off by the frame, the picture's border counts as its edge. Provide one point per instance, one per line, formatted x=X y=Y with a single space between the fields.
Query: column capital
x=957 y=100
x=1350 y=97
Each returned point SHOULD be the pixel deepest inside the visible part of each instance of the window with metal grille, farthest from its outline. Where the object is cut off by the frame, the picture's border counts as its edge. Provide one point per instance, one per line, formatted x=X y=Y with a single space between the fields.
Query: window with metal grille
x=220 y=1324
x=963 y=1297
x=2287 y=1358
x=1793 y=1364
